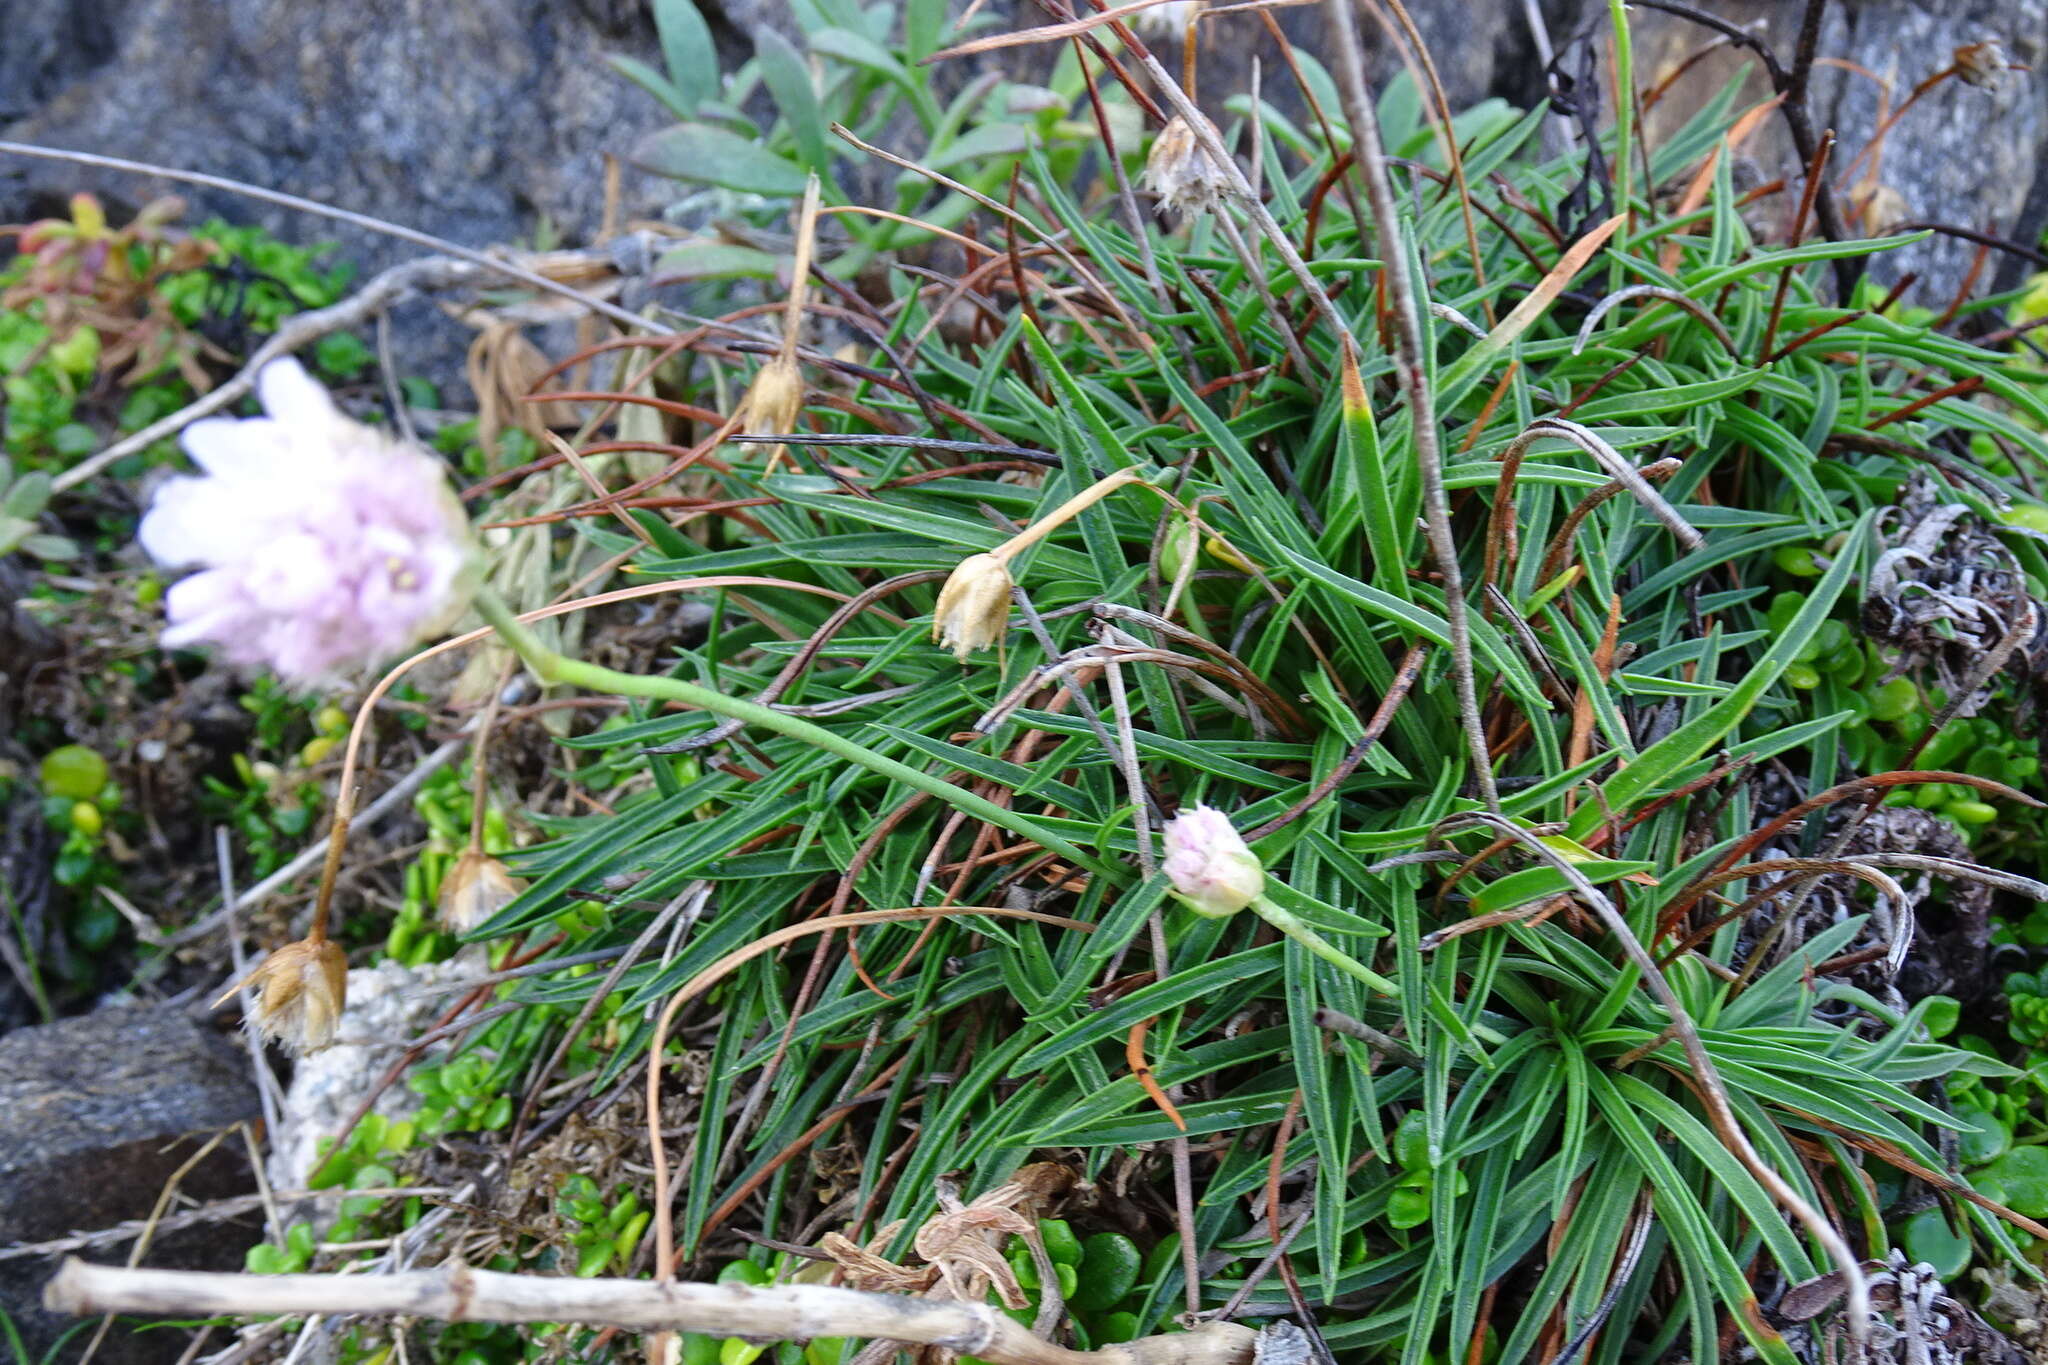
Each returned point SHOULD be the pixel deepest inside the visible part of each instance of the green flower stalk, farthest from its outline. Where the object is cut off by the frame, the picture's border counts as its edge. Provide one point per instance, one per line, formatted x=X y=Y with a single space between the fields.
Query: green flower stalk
x=551 y=667
x=1215 y=873
x=973 y=609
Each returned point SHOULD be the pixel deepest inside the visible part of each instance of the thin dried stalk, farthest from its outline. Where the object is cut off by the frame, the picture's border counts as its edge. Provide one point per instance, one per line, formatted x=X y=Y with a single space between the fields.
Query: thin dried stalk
x=1652 y=291
x=1371 y=155
x=1705 y=1076
x=1256 y=274
x=1618 y=468
x=1246 y=198
x=301 y=329
x=1052 y=240
x=794 y=1312
x=1962 y=871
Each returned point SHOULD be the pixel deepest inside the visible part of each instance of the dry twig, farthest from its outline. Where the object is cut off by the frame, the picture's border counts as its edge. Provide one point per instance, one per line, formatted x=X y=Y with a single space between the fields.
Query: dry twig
x=1414 y=376
x=794 y=1312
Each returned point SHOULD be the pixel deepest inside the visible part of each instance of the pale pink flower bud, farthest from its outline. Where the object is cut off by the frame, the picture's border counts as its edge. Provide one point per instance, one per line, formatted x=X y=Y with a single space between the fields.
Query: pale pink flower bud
x=1211 y=869
x=324 y=544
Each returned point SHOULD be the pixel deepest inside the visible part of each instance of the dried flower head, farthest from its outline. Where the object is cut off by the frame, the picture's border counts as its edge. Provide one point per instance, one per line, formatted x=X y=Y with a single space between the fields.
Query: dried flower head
x=1883 y=211
x=473 y=890
x=965 y=1242
x=1184 y=176
x=1984 y=65
x=325 y=544
x=1167 y=20
x=1212 y=870
x=774 y=399
x=301 y=990
x=974 y=605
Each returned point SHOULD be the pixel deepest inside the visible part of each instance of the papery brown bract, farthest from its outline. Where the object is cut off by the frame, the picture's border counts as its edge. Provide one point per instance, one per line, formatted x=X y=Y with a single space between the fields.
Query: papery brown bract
x=974 y=605
x=477 y=887
x=301 y=990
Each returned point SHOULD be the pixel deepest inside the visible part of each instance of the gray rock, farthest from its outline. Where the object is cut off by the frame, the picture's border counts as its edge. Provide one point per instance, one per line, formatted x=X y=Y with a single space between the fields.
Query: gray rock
x=470 y=120
x=1963 y=156
x=50 y=45
x=480 y=120
x=387 y=1004
x=96 y=1113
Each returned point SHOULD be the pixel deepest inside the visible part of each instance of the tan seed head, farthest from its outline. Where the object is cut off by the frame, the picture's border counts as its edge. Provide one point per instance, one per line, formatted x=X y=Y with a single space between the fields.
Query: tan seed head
x=1984 y=65
x=774 y=399
x=974 y=606
x=473 y=890
x=301 y=990
x=1184 y=176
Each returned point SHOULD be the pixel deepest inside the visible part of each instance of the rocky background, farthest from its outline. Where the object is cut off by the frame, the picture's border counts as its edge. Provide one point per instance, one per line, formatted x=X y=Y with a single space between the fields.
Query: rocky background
x=489 y=121
x=486 y=121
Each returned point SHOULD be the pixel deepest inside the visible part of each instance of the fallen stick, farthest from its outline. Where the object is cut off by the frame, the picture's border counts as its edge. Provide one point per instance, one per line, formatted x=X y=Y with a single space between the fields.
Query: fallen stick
x=393 y=286
x=428 y=274
x=792 y=1312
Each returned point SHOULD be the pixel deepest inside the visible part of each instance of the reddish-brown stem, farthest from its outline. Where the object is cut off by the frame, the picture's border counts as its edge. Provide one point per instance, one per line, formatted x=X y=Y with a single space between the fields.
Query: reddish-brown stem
x=337 y=841
x=1955 y=390
x=1816 y=170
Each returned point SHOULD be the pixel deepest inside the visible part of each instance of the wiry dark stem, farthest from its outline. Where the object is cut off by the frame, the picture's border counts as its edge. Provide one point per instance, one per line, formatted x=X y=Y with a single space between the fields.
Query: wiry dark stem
x=1802 y=58
x=1848 y=269
x=1792 y=85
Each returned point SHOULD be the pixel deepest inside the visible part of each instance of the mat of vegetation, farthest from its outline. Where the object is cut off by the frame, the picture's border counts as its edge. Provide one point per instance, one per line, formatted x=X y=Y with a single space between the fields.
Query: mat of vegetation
x=1610 y=619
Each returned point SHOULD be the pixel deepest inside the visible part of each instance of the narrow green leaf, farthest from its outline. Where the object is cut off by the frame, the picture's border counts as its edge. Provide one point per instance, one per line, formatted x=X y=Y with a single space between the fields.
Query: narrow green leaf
x=788 y=78
x=709 y=155
x=1654 y=768
x=688 y=51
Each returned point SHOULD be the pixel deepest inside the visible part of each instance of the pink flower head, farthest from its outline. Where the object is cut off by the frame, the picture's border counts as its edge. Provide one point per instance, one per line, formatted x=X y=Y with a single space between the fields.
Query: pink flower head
x=324 y=544
x=1206 y=860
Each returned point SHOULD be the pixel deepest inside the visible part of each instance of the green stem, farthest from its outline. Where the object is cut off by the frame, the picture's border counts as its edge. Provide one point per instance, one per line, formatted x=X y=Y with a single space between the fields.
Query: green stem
x=1287 y=923
x=1066 y=512
x=551 y=667
x=1624 y=114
